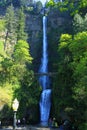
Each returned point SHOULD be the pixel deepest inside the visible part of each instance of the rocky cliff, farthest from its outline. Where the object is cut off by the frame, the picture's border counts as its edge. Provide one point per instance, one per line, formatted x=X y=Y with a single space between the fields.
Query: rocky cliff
x=34 y=30
x=57 y=23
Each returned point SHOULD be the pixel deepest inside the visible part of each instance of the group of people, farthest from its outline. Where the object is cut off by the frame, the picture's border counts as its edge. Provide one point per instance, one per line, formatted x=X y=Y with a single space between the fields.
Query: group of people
x=21 y=122
x=52 y=122
x=65 y=125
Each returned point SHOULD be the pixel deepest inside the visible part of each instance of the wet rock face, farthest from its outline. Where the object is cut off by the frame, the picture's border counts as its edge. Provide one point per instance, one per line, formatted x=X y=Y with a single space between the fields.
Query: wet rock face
x=34 y=30
x=33 y=27
x=57 y=23
x=34 y=23
x=57 y=19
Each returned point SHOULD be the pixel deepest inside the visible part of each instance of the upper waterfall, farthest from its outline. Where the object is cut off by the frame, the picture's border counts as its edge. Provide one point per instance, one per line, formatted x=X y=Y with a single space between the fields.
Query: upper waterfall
x=44 y=80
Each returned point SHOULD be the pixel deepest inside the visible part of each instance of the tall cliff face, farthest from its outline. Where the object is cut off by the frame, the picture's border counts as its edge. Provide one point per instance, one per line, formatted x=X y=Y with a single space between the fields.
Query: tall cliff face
x=59 y=20
x=57 y=23
x=34 y=30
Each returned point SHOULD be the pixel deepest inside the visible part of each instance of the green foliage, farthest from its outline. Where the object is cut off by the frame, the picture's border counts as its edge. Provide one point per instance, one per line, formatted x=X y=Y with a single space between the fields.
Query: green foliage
x=2 y=29
x=79 y=23
x=6 y=94
x=29 y=95
x=2 y=25
x=62 y=91
x=5 y=70
x=21 y=35
x=1 y=47
x=13 y=69
x=10 y=20
x=79 y=52
x=14 y=73
x=77 y=6
x=38 y=6
x=65 y=39
x=10 y=36
x=83 y=3
x=2 y=53
x=16 y=78
x=21 y=52
x=78 y=47
x=23 y=2
x=83 y=126
x=72 y=6
x=3 y=3
x=70 y=84
x=50 y=3
x=62 y=6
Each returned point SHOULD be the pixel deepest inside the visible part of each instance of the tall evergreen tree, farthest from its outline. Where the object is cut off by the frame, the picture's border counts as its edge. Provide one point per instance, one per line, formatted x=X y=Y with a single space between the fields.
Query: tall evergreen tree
x=10 y=38
x=21 y=34
x=79 y=23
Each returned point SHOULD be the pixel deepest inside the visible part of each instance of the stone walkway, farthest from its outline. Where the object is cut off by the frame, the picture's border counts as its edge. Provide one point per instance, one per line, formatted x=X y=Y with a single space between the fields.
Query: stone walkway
x=28 y=128
x=41 y=128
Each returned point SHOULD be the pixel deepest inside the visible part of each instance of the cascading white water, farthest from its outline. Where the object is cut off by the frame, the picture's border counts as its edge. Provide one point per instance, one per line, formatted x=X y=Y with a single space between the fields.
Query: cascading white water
x=45 y=101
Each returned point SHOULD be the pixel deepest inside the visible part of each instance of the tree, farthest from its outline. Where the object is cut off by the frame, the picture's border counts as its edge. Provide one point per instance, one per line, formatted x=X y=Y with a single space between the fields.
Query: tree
x=62 y=82
x=10 y=38
x=79 y=52
x=85 y=23
x=2 y=3
x=25 y=2
x=38 y=7
x=6 y=94
x=16 y=2
x=13 y=72
x=22 y=58
x=2 y=30
x=70 y=86
x=29 y=95
x=74 y=6
x=21 y=34
x=50 y=3
x=28 y=92
x=2 y=25
x=79 y=23
x=21 y=53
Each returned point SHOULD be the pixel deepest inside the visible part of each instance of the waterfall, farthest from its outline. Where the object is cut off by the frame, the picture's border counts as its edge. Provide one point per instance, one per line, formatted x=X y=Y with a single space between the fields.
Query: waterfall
x=45 y=101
